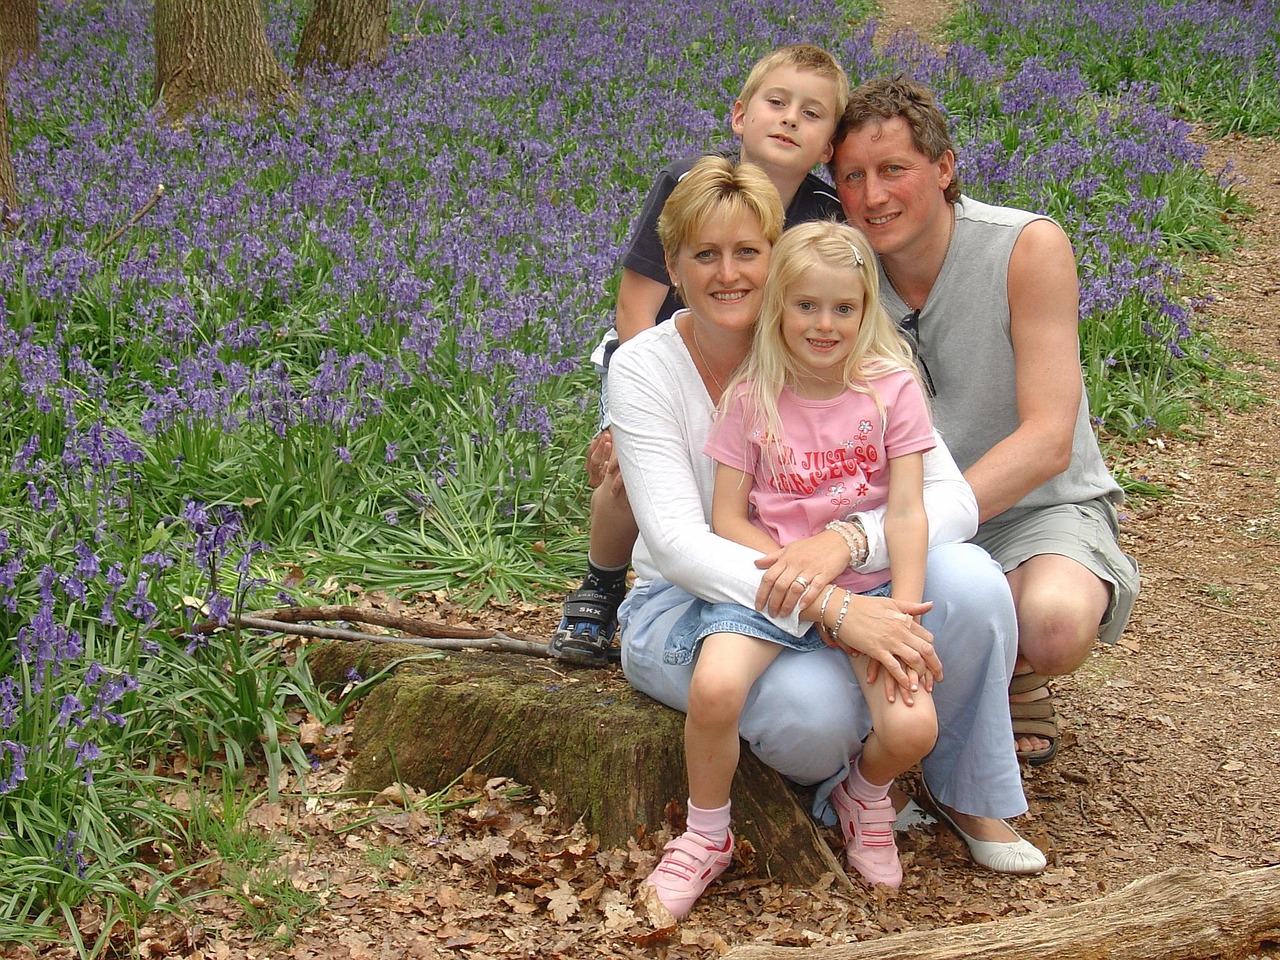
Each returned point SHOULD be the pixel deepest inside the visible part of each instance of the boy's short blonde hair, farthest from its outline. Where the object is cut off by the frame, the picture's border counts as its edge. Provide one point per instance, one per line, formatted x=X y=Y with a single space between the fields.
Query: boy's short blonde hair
x=802 y=56
x=714 y=184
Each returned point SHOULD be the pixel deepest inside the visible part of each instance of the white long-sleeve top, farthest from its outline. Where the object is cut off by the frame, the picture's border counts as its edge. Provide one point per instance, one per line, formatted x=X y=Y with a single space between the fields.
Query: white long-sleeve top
x=662 y=416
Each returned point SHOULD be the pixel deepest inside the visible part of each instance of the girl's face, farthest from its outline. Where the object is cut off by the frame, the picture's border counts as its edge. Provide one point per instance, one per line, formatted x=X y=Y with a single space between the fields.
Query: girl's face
x=821 y=317
x=721 y=271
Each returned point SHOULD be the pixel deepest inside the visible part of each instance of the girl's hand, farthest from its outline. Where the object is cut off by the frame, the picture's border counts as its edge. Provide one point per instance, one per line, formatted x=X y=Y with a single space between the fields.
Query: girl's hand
x=891 y=686
x=886 y=630
x=818 y=559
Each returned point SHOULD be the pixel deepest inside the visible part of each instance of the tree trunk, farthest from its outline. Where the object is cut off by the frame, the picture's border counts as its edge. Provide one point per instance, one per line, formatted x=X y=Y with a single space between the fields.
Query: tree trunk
x=214 y=52
x=19 y=31
x=19 y=40
x=343 y=33
x=610 y=755
x=1180 y=914
x=8 y=182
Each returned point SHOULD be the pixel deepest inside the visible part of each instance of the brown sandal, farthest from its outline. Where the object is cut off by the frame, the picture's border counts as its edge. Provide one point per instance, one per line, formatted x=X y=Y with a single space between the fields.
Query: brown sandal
x=1034 y=718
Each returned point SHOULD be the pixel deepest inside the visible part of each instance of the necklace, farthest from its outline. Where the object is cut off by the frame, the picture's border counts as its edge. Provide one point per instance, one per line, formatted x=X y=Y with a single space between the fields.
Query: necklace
x=693 y=326
x=951 y=229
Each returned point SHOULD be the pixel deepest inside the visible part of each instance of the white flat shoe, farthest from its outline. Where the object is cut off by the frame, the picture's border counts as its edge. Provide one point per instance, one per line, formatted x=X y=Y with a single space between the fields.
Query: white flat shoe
x=1015 y=856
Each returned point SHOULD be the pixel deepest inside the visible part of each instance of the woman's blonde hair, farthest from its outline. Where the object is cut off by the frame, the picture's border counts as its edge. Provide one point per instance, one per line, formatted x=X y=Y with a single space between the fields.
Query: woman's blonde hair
x=878 y=349
x=715 y=185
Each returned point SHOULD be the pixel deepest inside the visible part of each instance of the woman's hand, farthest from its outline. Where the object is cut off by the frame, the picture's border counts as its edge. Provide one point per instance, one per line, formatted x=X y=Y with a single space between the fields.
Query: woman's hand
x=887 y=631
x=798 y=573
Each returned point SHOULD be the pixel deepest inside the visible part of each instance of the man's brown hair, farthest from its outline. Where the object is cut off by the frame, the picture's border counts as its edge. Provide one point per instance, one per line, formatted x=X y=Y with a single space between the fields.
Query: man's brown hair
x=880 y=100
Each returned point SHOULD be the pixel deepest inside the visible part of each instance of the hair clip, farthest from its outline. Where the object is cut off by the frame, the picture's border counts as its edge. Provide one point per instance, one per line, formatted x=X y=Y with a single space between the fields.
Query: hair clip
x=857 y=257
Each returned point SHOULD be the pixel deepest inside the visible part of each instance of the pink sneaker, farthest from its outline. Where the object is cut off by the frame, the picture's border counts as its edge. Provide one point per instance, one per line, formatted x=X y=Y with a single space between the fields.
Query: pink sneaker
x=868 y=837
x=687 y=868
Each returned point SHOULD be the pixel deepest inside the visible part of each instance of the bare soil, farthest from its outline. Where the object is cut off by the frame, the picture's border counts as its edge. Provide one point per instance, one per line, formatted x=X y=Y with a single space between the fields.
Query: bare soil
x=1172 y=742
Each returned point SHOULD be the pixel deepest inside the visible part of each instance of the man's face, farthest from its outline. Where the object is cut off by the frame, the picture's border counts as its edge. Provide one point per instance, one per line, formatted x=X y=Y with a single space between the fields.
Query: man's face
x=888 y=188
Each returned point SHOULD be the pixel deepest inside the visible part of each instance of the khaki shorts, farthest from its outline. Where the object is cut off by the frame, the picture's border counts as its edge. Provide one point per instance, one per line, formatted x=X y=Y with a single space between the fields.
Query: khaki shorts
x=1086 y=533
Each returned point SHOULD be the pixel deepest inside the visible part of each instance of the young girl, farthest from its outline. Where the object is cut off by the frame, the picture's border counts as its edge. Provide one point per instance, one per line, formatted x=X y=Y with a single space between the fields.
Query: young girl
x=826 y=417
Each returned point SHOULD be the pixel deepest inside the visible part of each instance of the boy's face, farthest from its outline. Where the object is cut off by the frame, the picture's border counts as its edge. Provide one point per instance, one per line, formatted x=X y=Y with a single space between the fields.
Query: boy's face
x=786 y=126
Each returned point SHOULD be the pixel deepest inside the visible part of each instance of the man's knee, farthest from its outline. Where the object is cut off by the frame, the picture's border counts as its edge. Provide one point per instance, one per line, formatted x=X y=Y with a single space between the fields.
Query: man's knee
x=1055 y=637
x=1060 y=606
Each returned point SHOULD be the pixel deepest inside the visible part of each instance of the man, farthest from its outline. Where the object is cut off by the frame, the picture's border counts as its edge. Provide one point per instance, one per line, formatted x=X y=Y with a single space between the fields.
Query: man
x=990 y=296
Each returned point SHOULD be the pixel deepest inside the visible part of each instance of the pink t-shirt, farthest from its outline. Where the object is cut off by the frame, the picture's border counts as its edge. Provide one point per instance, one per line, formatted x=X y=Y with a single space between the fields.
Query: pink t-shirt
x=834 y=458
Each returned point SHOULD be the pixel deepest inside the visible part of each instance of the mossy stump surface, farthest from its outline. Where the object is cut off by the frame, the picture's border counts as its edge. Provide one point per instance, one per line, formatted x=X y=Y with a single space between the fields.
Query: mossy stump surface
x=611 y=756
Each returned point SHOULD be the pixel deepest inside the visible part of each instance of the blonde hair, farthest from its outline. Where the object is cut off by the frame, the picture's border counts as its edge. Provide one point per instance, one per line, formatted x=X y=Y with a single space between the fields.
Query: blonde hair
x=878 y=349
x=714 y=185
x=802 y=56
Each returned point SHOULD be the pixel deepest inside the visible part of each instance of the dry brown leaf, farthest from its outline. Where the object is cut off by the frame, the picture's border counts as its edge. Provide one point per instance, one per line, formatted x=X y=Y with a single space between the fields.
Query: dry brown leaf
x=562 y=903
x=652 y=912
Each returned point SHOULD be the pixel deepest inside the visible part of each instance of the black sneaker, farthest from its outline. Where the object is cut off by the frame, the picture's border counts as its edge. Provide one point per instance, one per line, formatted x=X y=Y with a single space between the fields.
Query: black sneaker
x=585 y=634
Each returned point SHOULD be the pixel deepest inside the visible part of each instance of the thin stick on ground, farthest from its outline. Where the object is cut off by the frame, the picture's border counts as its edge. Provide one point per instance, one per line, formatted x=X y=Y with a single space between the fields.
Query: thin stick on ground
x=299 y=621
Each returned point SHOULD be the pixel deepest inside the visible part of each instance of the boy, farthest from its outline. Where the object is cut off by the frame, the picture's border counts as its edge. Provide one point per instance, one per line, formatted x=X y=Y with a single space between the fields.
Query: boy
x=785 y=117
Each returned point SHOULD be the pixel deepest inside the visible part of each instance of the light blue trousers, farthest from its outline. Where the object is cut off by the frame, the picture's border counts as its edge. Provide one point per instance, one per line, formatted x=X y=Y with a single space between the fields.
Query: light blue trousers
x=806 y=716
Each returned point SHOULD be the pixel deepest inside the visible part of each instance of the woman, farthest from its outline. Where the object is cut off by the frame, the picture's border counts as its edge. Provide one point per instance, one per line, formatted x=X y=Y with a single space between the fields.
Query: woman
x=804 y=717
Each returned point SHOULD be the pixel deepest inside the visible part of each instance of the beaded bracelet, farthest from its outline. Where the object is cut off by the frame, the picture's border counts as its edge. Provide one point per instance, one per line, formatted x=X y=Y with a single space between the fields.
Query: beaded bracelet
x=844 y=608
x=865 y=542
x=857 y=543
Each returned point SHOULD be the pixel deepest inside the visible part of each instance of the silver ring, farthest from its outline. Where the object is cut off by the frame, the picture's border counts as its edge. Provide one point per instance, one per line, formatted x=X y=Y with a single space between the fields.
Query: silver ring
x=802 y=581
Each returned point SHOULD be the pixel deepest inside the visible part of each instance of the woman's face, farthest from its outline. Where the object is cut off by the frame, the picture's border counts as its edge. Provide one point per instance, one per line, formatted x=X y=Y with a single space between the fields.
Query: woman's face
x=721 y=271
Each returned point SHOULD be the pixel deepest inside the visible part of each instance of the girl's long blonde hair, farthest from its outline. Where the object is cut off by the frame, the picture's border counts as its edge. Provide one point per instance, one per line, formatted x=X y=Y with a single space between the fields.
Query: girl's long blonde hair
x=878 y=349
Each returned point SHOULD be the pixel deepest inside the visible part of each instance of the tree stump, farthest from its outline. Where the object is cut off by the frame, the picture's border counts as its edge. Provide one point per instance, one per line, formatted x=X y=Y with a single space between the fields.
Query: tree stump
x=610 y=755
x=1180 y=914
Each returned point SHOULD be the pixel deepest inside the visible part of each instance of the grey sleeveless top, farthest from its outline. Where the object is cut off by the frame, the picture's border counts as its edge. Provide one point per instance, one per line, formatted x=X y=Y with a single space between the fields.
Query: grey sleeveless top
x=965 y=344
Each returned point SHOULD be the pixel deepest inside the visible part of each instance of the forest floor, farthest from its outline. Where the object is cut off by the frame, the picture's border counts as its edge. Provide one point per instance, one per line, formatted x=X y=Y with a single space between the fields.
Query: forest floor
x=1169 y=758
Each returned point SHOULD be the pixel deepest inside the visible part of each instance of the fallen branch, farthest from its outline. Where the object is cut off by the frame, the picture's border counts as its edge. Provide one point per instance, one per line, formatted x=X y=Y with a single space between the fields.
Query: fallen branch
x=433 y=636
x=497 y=641
x=393 y=621
x=146 y=208
x=1180 y=914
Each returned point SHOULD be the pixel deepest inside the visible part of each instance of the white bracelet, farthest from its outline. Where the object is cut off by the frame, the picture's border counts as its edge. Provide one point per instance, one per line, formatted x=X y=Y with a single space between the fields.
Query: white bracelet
x=822 y=610
x=857 y=543
x=844 y=608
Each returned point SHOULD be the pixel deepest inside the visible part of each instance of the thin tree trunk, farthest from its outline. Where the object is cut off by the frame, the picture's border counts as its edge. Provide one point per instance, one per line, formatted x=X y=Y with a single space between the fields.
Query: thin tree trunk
x=19 y=31
x=343 y=33
x=19 y=40
x=8 y=181
x=213 y=53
